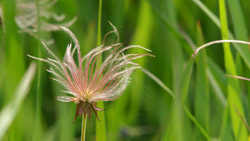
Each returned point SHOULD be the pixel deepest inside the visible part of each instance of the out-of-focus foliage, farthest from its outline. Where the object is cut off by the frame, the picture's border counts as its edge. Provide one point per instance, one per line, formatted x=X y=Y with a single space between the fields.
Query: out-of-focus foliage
x=206 y=105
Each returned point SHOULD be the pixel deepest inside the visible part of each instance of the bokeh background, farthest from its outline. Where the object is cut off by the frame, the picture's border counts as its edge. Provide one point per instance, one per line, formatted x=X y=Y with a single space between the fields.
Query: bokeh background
x=206 y=105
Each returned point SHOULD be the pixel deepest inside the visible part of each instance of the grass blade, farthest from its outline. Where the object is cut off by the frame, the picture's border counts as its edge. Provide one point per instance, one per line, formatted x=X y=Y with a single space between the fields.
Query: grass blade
x=201 y=88
x=175 y=129
x=186 y=79
x=8 y=113
x=178 y=121
x=208 y=12
x=37 y=131
x=100 y=125
x=233 y=89
x=188 y=113
x=197 y=124
x=159 y=82
x=141 y=37
x=217 y=80
x=226 y=130
x=240 y=29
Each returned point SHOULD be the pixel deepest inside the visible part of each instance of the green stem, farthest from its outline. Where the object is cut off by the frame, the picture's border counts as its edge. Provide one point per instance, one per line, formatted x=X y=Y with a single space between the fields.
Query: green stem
x=99 y=23
x=84 y=123
x=37 y=134
x=100 y=125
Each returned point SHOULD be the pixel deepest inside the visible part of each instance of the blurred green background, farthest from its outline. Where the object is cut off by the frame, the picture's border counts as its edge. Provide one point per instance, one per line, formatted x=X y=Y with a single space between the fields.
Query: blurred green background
x=206 y=105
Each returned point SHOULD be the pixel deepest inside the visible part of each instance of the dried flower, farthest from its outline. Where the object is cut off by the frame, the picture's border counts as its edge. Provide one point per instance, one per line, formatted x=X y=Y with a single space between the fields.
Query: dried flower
x=26 y=17
x=88 y=80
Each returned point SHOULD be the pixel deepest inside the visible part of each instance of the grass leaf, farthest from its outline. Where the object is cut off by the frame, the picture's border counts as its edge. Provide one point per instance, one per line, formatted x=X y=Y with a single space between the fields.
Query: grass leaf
x=188 y=113
x=9 y=111
x=202 y=113
x=233 y=90
x=100 y=125
x=141 y=37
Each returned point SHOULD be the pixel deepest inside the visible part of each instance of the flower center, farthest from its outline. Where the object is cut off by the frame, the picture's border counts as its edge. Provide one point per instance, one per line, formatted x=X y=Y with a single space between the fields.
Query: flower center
x=86 y=108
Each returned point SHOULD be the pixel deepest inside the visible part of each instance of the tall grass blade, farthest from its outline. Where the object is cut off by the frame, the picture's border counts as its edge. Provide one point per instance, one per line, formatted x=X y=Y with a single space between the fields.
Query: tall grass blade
x=201 y=88
x=188 y=113
x=233 y=88
x=197 y=124
x=186 y=79
x=9 y=112
x=37 y=131
x=226 y=133
x=216 y=83
x=13 y=51
x=208 y=12
x=239 y=26
x=14 y=60
x=141 y=37
x=100 y=125
x=178 y=120
x=242 y=119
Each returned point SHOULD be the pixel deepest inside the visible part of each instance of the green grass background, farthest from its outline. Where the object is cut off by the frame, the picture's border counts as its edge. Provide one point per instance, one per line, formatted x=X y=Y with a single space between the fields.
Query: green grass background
x=206 y=104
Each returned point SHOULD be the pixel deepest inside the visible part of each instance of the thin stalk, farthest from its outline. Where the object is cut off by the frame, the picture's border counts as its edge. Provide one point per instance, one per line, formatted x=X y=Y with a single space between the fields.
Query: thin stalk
x=84 y=123
x=100 y=125
x=37 y=134
x=99 y=24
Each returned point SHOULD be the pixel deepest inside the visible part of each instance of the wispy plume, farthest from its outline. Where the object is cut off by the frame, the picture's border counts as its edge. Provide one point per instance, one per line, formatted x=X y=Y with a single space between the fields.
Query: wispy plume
x=93 y=77
x=26 y=17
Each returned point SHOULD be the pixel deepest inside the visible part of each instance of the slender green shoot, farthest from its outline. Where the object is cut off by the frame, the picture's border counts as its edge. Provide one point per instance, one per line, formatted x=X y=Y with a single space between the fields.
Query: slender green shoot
x=100 y=125
x=84 y=123
x=37 y=131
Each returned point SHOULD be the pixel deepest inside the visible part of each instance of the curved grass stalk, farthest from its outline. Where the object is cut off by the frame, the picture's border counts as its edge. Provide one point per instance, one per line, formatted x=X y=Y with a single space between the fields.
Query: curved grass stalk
x=217 y=42
x=238 y=77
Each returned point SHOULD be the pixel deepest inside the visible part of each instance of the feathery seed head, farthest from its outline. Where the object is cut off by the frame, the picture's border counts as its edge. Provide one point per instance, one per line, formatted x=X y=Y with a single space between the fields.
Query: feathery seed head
x=27 y=20
x=92 y=78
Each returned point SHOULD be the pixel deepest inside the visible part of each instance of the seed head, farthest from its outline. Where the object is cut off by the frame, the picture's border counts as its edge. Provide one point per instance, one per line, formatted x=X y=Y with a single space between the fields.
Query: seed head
x=93 y=77
x=27 y=20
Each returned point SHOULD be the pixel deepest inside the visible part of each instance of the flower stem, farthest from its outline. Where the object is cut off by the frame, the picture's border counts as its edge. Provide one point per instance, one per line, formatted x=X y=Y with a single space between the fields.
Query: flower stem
x=84 y=123
x=100 y=125
x=38 y=132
